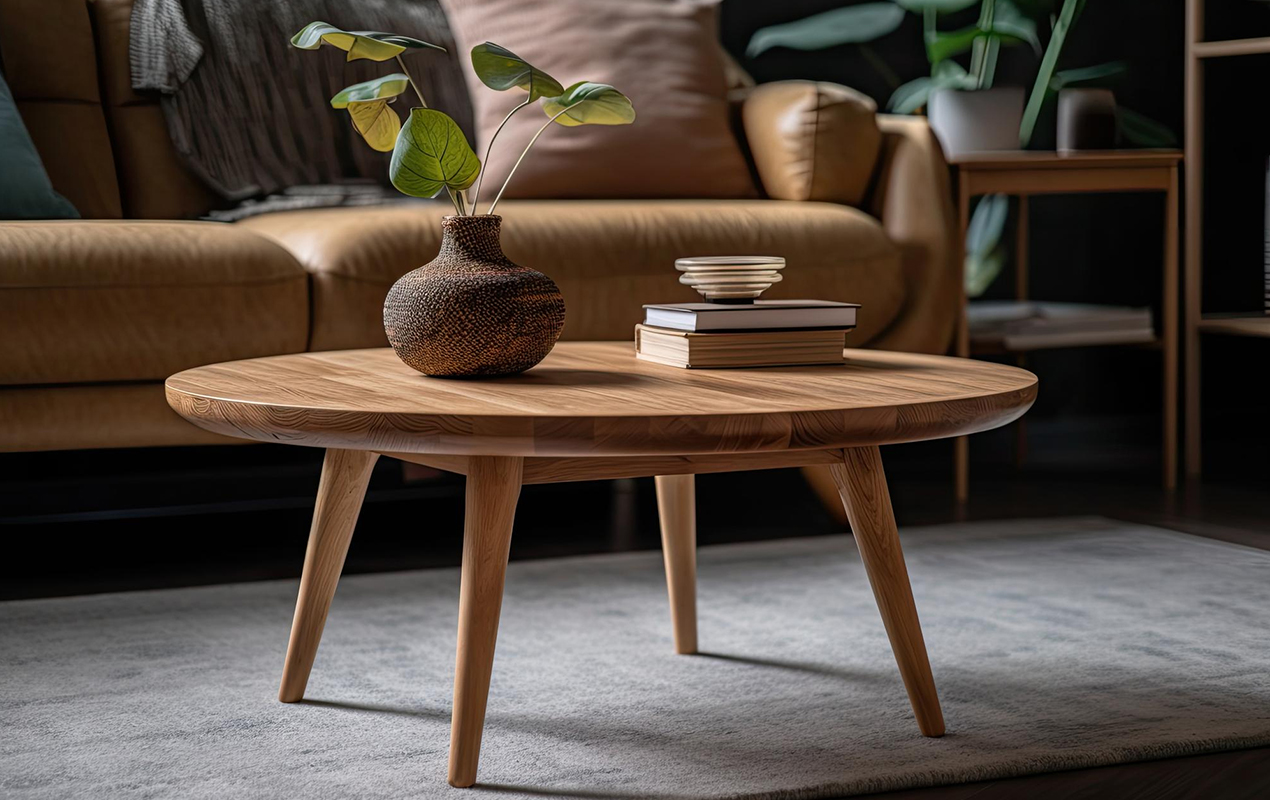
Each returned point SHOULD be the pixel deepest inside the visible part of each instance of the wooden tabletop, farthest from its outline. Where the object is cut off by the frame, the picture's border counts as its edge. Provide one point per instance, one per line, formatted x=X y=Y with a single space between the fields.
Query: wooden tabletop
x=1079 y=159
x=597 y=399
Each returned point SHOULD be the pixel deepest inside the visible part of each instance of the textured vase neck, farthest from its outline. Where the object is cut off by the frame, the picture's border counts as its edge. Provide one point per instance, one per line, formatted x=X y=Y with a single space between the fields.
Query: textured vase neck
x=474 y=238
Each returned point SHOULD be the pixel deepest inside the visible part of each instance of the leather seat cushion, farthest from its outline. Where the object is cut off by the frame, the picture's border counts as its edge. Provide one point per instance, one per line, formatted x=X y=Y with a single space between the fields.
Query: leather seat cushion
x=129 y=301
x=609 y=257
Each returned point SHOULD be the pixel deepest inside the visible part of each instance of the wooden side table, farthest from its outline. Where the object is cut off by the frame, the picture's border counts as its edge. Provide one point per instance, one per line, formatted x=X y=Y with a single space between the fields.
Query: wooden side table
x=1023 y=173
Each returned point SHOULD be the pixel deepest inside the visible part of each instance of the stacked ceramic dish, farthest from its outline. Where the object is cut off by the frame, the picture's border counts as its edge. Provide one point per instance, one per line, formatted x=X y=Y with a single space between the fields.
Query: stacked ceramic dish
x=730 y=279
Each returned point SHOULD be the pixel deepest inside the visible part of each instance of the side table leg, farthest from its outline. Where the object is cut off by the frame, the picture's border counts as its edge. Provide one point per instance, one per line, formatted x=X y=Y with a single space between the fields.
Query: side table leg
x=961 y=341
x=677 y=507
x=493 y=487
x=1169 y=331
x=862 y=484
x=345 y=474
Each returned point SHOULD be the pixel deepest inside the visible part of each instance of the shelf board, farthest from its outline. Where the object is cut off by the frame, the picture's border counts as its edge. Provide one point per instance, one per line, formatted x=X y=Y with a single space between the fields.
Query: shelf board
x=992 y=347
x=1231 y=47
x=1236 y=326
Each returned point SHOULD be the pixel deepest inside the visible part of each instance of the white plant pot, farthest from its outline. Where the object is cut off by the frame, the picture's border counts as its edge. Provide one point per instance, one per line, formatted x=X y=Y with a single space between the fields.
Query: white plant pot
x=974 y=121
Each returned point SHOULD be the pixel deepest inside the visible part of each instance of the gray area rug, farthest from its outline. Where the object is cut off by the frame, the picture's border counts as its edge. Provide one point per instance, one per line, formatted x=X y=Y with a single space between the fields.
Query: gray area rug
x=1055 y=644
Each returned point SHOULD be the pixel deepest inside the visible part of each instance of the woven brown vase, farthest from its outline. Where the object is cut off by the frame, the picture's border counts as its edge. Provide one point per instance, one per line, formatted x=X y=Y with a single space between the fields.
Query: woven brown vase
x=471 y=312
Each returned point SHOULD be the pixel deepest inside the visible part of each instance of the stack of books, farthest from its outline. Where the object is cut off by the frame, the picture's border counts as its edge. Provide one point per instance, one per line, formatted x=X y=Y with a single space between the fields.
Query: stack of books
x=764 y=333
x=1015 y=325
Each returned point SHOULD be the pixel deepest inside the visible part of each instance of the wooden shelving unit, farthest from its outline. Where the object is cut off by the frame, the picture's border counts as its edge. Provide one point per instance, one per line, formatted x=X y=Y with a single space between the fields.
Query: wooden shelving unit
x=1027 y=173
x=1237 y=326
x=1230 y=47
x=1199 y=52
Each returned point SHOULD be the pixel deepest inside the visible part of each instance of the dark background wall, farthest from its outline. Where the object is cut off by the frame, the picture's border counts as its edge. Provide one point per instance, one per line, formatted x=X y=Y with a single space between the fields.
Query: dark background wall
x=1099 y=248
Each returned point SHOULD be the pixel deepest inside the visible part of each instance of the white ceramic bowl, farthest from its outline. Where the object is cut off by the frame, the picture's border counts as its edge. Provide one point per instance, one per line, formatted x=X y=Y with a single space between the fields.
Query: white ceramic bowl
x=724 y=278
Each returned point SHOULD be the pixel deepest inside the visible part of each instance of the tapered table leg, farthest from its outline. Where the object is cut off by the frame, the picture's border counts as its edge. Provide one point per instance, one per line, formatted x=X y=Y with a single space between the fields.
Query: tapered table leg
x=862 y=484
x=345 y=474
x=493 y=487
x=677 y=507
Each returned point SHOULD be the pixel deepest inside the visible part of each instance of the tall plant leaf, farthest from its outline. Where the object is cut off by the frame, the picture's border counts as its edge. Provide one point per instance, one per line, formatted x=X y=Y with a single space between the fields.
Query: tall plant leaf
x=850 y=25
x=376 y=122
x=500 y=69
x=938 y=6
x=1142 y=131
x=916 y=93
x=1082 y=75
x=432 y=154
x=589 y=103
x=985 y=256
x=1011 y=23
x=1063 y=24
x=981 y=271
x=371 y=45
x=384 y=88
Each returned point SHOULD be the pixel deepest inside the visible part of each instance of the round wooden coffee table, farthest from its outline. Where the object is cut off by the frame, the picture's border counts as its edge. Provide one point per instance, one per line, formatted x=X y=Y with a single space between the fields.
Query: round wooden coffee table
x=592 y=411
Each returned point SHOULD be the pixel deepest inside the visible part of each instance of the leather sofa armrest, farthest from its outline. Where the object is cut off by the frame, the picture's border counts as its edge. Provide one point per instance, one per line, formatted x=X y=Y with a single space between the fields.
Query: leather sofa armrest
x=812 y=140
x=912 y=197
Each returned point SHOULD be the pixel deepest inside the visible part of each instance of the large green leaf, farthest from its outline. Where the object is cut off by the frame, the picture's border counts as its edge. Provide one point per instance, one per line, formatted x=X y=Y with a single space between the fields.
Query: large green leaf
x=432 y=154
x=384 y=88
x=985 y=256
x=1084 y=75
x=851 y=25
x=981 y=271
x=376 y=122
x=589 y=103
x=1008 y=25
x=372 y=45
x=500 y=69
x=1142 y=131
x=916 y=93
x=940 y=6
x=1010 y=22
x=1045 y=73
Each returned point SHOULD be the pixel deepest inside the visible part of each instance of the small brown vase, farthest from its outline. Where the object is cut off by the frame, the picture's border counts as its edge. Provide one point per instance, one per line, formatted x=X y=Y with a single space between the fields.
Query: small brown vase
x=471 y=312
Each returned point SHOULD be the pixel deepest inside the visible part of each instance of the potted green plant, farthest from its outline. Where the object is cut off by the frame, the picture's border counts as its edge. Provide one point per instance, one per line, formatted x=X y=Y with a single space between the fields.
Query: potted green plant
x=471 y=311
x=964 y=108
x=966 y=111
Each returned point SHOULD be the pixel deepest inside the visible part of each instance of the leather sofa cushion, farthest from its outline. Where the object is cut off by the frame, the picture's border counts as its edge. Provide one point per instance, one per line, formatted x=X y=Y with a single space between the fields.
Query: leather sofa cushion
x=153 y=180
x=50 y=63
x=130 y=301
x=94 y=415
x=608 y=257
x=812 y=140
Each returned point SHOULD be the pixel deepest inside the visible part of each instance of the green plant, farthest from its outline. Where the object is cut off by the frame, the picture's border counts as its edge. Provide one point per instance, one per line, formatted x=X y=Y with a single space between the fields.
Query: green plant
x=430 y=154
x=1000 y=22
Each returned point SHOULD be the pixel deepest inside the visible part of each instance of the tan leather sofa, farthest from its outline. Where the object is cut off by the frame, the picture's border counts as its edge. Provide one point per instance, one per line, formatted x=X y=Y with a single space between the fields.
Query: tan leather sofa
x=94 y=314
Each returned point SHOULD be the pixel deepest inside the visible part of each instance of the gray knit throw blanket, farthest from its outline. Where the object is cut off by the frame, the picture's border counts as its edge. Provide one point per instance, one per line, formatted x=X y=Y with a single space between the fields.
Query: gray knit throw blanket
x=250 y=114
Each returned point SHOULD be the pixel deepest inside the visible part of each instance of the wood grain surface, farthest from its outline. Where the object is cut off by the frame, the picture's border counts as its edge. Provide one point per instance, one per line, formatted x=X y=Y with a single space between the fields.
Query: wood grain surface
x=345 y=474
x=677 y=509
x=493 y=487
x=596 y=399
x=862 y=483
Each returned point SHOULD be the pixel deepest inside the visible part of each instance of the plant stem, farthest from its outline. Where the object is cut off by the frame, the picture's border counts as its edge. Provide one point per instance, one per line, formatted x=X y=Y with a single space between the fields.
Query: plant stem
x=1046 y=71
x=930 y=29
x=454 y=198
x=522 y=158
x=481 y=178
x=413 y=85
x=980 y=50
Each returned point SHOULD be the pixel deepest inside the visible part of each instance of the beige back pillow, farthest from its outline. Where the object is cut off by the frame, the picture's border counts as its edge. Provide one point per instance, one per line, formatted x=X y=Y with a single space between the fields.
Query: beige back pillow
x=663 y=54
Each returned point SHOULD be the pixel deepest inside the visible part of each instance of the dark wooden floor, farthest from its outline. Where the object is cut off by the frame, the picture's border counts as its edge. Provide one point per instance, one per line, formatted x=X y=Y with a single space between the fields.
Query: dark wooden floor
x=113 y=521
